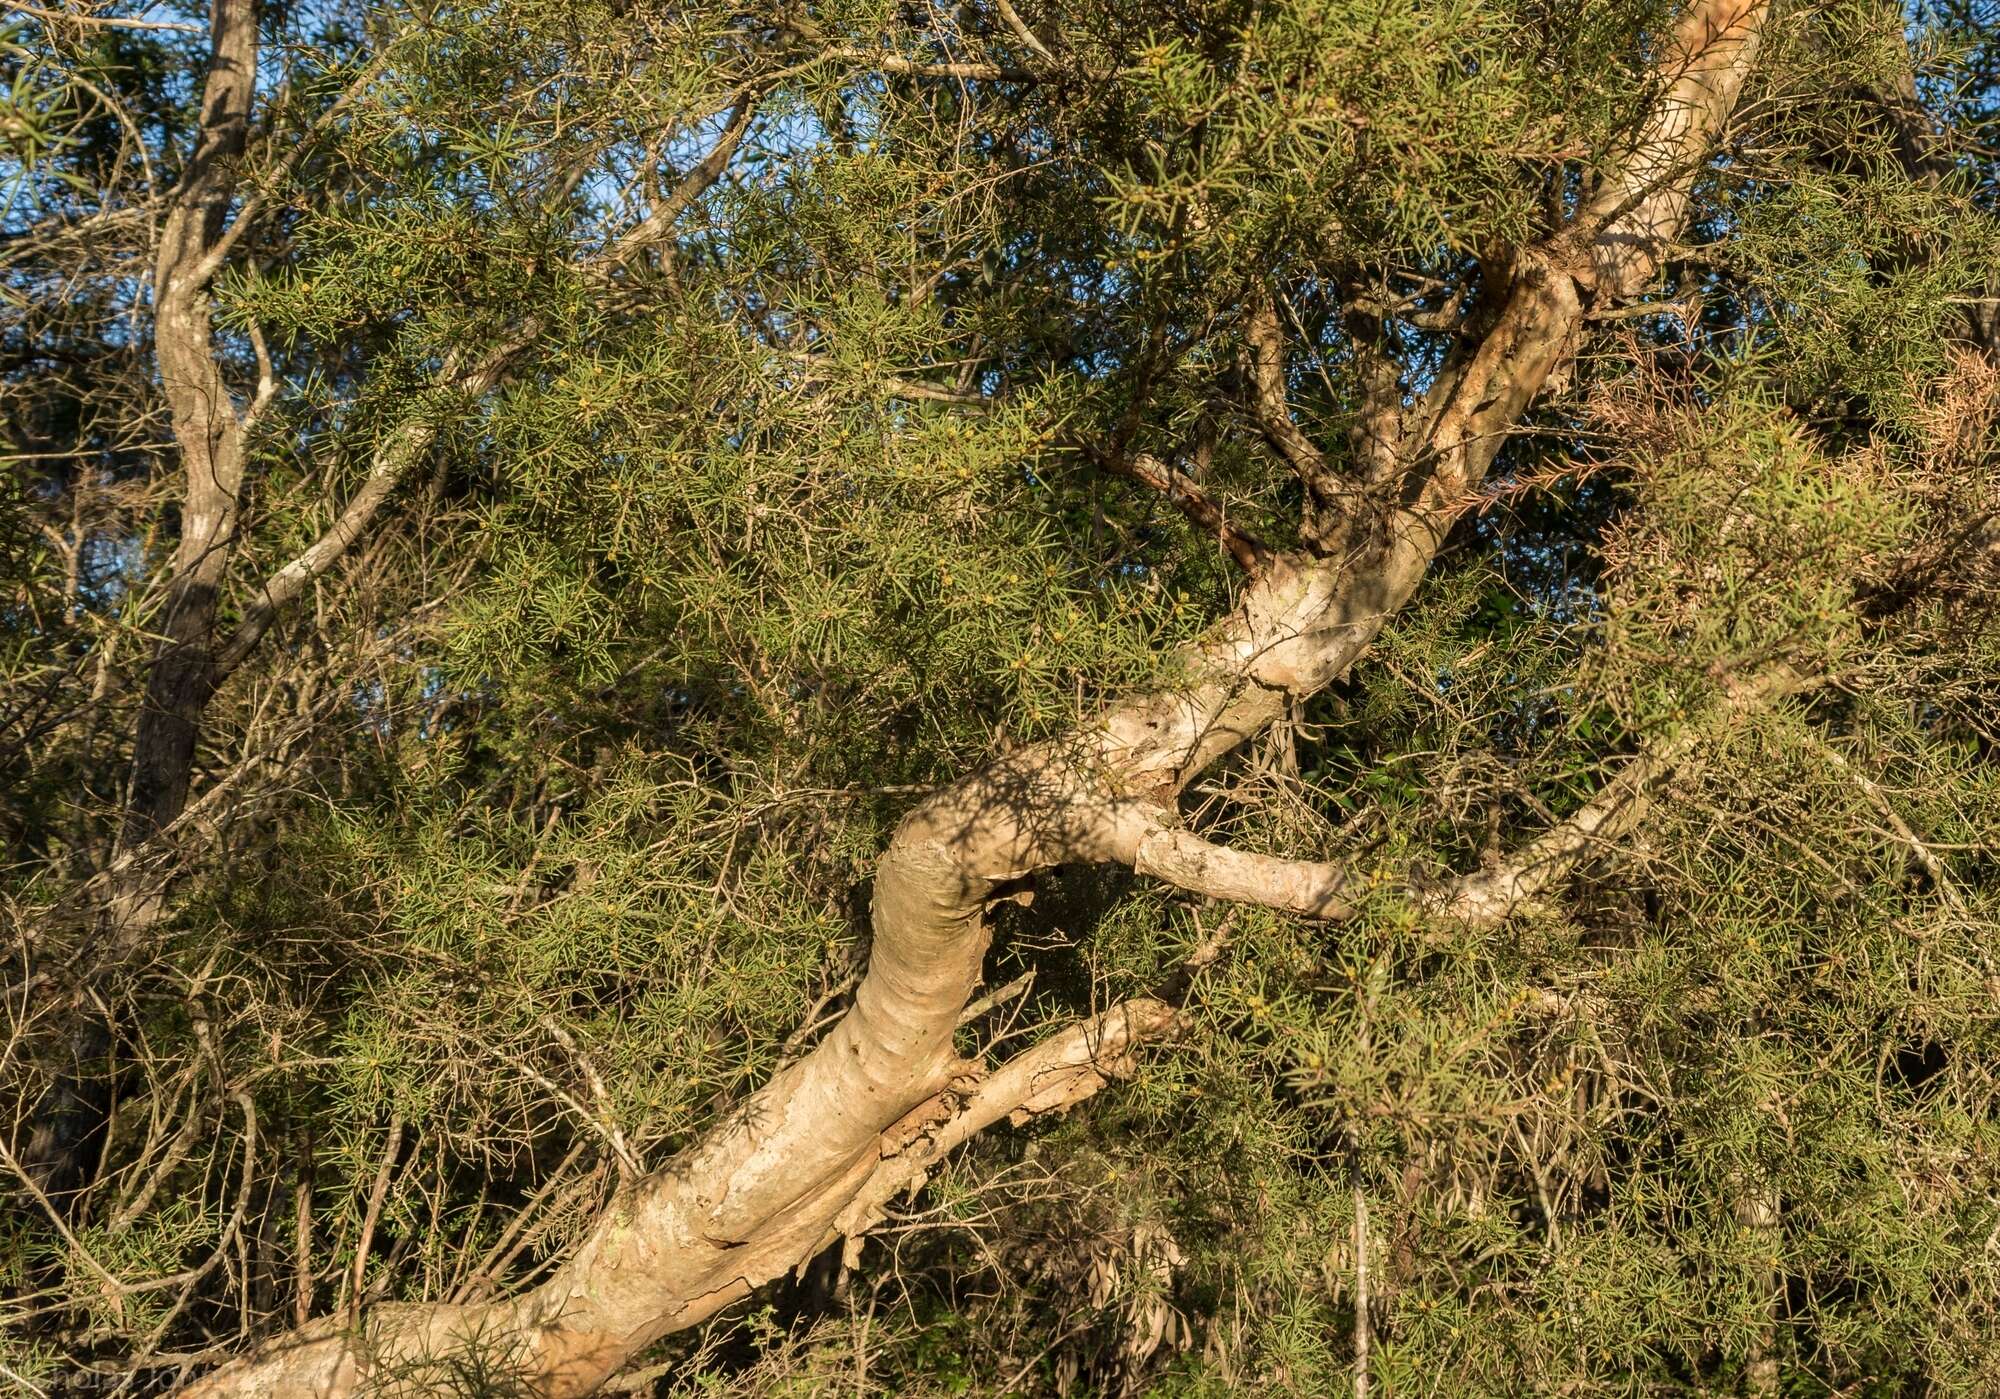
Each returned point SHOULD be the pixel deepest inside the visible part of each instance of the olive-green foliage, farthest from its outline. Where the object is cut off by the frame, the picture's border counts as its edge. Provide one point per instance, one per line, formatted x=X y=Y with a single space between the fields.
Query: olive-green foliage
x=564 y=794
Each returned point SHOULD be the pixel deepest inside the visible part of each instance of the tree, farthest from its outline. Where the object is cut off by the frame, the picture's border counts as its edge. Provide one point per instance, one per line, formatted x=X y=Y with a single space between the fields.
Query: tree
x=1457 y=541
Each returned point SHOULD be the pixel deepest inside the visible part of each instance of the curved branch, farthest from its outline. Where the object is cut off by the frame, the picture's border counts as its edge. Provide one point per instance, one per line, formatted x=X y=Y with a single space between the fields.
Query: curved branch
x=962 y=70
x=210 y=436
x=394 y=460
x=694 y=184
x=1612 y=253
x=404 y=450
x=1636 y=213
x=1060 y=1072
x=1183 y=859
x=762 y=1191
x=1013 y=21
x=84 y=21
x=1266 y=339
x=1250 y=552
x=1486 y=897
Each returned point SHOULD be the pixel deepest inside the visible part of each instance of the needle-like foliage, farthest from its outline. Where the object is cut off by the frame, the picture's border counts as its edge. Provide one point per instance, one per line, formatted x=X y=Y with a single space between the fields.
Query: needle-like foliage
x=507 y=506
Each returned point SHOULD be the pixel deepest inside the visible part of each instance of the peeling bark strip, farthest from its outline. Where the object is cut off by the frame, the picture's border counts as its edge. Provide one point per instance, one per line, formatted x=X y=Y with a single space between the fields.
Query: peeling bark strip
x=818 y=1151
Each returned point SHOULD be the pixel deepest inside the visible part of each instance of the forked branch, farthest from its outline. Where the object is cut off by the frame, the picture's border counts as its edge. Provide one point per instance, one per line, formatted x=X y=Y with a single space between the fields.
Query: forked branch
x=803 y=1158
x=1483 y=898
x=1264 y=339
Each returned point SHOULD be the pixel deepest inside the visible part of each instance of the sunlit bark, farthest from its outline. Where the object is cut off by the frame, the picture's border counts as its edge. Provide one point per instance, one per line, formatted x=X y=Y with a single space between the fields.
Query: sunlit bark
x=808 y=1156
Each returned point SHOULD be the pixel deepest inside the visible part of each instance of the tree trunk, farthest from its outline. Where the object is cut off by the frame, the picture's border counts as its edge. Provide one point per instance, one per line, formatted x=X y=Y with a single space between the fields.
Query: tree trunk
x=806 y=1159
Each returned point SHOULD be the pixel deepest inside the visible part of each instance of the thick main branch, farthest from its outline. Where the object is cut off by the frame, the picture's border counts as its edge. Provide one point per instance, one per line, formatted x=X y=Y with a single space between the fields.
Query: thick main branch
x=773 y=1182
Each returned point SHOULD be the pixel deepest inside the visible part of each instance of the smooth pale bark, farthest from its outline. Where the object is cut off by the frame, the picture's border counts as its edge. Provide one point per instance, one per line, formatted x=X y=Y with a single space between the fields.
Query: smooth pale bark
x=181 y=678
x=791 y=1169
x=1616 y=811
x=1318 y=888
x=1179 y=857
x=207 y=431
x=191 y=658
x=191 y=662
